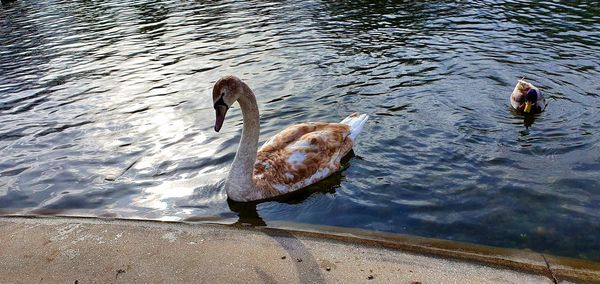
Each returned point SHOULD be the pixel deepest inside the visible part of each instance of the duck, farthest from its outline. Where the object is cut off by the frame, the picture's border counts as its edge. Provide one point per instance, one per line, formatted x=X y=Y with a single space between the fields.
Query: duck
x=298 y=156
x=526 y=98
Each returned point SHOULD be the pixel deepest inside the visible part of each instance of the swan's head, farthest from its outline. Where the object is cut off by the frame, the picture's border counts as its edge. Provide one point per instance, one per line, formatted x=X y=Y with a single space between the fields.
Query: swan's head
x=225 y=92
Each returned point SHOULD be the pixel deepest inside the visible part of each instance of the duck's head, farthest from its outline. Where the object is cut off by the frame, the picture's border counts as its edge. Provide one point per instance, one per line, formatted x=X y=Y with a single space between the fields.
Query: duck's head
x=531 y=98
x=226 y=91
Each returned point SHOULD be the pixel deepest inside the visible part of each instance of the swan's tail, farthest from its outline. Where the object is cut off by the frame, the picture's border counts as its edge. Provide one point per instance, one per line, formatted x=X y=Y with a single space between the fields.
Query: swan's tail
x=356 y=122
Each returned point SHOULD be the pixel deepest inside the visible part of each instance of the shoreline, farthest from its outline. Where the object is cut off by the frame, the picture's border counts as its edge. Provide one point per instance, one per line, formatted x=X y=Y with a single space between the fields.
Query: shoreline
x=65 y=249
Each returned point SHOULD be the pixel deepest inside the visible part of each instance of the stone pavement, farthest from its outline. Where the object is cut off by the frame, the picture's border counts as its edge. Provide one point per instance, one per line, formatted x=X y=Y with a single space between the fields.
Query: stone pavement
x=88 y=250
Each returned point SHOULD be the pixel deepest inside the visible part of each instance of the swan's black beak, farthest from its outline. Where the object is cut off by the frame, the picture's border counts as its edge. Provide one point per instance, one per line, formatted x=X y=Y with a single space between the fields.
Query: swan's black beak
x=220 y=109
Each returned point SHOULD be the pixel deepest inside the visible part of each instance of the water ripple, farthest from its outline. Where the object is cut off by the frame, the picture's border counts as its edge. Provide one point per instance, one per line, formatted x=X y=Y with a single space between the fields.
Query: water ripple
x=105 y=110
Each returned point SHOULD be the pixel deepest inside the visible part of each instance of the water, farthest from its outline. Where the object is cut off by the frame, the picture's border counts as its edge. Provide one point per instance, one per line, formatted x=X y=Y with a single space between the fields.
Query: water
x=105 y=110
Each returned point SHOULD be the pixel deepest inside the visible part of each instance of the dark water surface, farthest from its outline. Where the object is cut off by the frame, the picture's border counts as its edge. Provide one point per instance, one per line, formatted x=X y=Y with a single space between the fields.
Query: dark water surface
x=105 y=109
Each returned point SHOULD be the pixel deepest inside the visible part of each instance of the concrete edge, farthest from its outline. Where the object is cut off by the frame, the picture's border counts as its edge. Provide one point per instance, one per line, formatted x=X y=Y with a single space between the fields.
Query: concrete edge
x=555 y=268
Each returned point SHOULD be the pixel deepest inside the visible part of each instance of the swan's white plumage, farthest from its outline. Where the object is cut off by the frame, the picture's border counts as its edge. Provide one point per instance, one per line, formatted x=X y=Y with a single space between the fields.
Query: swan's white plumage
x=296 y=158
x=356 y=123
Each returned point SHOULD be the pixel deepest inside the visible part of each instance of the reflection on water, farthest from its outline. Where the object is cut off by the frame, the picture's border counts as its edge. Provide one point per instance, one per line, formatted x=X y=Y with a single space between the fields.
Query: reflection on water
x=105 y=110
x=528 y=119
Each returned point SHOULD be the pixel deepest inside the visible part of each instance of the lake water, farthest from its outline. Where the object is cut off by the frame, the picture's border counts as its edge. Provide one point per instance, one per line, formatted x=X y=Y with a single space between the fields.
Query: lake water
x=105 y=110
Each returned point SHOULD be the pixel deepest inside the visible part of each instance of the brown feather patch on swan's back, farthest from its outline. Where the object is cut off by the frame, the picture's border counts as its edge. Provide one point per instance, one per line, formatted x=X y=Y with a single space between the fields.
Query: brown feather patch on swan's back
x=301 y=155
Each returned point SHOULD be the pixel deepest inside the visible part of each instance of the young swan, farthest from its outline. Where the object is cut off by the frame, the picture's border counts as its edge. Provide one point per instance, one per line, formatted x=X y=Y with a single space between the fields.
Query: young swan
x=296 y=157
x=527 y=98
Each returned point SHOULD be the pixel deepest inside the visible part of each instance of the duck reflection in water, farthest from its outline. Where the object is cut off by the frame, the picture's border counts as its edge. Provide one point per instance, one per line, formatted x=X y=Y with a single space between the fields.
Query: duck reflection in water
x=528 y=120
x=248 y=213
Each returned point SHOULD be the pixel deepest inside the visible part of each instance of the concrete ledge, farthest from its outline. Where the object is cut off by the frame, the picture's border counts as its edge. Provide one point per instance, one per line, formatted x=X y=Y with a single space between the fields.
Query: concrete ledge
x=555 y=267
x=87 y=250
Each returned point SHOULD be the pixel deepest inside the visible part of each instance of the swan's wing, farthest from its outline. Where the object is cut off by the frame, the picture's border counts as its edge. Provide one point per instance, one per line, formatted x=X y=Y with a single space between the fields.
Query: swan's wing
x=293 y=133
x=301 y=155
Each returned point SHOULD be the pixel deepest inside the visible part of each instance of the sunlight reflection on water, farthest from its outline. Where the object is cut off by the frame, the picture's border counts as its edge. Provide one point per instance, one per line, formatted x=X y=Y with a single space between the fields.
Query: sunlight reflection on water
x=105 y=110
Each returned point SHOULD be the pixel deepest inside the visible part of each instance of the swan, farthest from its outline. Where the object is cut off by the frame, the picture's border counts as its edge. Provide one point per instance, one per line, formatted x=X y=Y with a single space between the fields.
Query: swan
x=296 y=157
x=527 y=98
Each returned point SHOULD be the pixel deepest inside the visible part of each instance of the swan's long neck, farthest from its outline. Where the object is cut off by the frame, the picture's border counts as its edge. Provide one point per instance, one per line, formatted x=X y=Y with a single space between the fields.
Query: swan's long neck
x=240 y=185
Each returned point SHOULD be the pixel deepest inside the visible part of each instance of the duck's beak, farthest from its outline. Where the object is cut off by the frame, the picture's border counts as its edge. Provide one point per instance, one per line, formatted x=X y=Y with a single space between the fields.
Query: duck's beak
x=527 y=108
x=220 y=111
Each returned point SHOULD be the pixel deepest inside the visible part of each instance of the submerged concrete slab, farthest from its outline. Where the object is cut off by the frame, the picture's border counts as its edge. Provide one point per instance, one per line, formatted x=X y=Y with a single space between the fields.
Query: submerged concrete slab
x=80 y=250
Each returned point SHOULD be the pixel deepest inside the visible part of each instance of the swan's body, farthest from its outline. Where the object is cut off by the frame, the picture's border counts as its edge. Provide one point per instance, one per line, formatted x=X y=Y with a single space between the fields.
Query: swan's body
x=296 y=157
x=527 y=98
